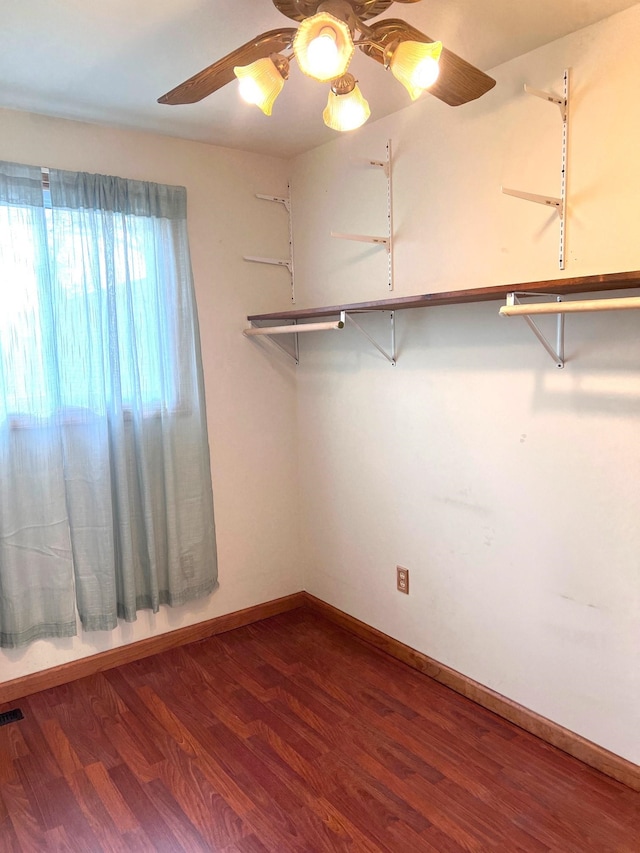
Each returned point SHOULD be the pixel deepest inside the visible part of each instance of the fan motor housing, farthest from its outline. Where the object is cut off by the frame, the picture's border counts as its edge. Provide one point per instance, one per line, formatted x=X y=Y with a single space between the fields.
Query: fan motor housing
x=299 y=10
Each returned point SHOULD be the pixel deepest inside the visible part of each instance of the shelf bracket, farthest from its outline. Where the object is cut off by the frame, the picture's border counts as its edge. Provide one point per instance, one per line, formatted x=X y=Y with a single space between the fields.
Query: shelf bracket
x=385 y=165
x=553 y=99
x=285 y=201
x=557 y=353
x=550 y=201
x=363 y=238
x=559 y=204
x=275 y=261
x=391 y=357
x=387 y=242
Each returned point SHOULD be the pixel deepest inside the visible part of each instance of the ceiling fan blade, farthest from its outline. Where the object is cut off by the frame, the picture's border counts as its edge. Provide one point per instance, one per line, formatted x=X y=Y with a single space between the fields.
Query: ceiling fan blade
x=221 y=72
x=458 y=82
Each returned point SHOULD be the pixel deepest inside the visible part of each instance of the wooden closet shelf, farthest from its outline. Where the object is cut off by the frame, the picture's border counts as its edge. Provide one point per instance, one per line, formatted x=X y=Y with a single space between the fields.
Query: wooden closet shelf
x=562 y=286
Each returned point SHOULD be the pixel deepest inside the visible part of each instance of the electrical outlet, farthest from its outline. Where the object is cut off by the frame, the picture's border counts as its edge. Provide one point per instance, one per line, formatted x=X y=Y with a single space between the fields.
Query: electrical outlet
x=402 y=580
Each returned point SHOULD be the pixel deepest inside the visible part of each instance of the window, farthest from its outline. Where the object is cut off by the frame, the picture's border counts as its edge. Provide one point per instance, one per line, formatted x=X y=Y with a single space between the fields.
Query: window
x=60 y=293
x=105 y=487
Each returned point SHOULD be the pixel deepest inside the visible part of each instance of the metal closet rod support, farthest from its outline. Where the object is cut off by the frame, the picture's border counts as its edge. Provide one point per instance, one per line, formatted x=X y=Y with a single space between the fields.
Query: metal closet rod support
x=557 y=352
x=294 y=328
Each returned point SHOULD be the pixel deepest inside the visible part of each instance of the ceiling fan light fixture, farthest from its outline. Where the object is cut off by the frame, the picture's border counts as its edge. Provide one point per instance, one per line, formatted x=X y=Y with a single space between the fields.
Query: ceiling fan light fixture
x=415 y=64
x=323 y=47
x=346 y=108
x=261 y=82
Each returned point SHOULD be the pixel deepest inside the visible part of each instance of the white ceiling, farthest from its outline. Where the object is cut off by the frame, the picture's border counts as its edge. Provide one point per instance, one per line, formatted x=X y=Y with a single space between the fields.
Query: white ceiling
x=109 y=61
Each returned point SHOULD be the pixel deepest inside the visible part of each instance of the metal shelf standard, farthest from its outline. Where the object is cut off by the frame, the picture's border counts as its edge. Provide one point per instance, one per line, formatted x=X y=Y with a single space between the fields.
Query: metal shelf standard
x=387 y=241
x=559 y=204
x=286 y=202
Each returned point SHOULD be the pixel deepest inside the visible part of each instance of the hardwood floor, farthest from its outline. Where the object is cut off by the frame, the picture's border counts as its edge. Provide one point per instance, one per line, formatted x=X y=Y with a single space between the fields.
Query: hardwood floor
x=291 y=735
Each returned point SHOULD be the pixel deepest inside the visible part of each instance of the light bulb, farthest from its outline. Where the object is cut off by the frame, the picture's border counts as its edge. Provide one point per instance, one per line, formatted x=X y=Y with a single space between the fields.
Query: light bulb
x=322 y=54
x=249 y=91
x=426 y=73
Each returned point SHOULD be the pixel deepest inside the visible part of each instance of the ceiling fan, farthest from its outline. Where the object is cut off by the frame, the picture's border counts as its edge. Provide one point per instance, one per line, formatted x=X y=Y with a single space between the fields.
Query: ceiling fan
x=323 y=46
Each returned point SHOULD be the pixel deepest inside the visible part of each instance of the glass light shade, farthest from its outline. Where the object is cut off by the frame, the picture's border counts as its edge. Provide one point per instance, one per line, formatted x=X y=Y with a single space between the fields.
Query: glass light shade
x=260 y=83
x=323 y=47
x=347 y=111
x=415 y=65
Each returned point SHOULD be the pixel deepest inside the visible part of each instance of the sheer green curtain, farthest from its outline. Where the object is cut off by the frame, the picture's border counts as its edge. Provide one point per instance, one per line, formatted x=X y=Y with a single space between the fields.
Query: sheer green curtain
x=36 y=571
x=105 y=490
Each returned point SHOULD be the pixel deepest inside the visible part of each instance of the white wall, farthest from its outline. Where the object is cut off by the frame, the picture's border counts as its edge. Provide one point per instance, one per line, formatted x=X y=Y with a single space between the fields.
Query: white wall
x=509 y=488
x=250 y=396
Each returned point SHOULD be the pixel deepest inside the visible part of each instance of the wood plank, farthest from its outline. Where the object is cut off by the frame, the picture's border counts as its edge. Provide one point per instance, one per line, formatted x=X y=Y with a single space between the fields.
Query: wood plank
x=318 y=710
x=22 y=823
x=149 y=817
x=17 y=688
x=565 y=286
x=8 y=839
x=574 y=744
x=110 y=797
x=292 y=734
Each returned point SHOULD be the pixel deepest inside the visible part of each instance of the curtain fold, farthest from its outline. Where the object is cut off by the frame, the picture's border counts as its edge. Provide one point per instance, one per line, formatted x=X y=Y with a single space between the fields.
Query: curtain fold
x=127 y=400
x=36 y=572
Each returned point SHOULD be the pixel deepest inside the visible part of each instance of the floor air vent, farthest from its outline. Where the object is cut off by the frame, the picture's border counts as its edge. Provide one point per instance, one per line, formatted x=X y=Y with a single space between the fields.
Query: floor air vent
x=11 y=716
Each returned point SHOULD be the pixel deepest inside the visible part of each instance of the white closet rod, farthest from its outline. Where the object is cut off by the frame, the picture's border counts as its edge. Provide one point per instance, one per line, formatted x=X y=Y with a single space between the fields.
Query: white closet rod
x=294 y=329
x=622 y=304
